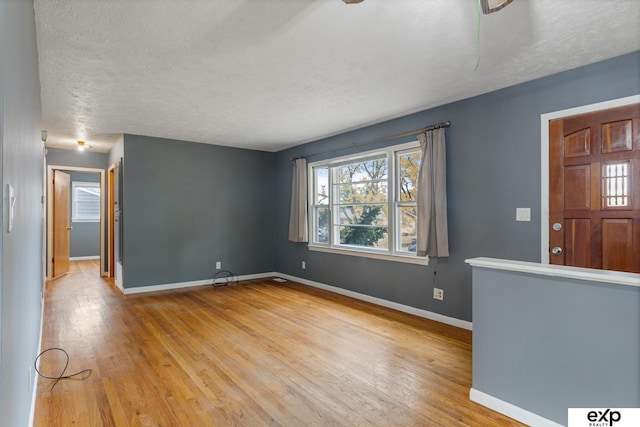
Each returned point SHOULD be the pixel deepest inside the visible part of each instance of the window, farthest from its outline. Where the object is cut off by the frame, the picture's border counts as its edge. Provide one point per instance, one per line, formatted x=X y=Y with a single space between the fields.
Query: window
x=366 y=203
x=615 y=185
x=85 y=201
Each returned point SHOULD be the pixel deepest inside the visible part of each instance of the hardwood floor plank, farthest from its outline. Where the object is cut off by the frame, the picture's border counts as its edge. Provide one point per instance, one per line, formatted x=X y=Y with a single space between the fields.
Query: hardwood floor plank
x=256 y=353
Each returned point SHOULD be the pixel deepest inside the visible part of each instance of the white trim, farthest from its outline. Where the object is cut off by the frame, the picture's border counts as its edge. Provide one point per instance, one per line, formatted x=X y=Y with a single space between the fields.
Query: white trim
x=84 y=258
x=589 y=274
x=49 y=219
x=34 y=387
x=169 y=286
x=365 y=254
x=118 y=276
x=378 y=301
x=384 y=303
x=544 y=158
x=110 y=229
x=389 y=153
x=510 y=410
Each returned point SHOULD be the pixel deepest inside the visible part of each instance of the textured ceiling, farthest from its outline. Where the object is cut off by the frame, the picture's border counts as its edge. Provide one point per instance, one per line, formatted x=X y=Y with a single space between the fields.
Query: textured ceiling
x=271 y=74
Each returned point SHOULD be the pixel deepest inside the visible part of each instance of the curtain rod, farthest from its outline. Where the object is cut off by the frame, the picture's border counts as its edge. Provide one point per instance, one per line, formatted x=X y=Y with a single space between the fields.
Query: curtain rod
x=385 y=138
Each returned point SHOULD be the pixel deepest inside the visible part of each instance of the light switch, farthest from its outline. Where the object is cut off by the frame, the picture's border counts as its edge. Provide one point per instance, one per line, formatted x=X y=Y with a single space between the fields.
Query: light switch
x=523 y=214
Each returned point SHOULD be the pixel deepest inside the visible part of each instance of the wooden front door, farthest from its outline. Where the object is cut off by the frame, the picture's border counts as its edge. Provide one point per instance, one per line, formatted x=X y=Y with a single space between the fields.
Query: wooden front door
x=594 y=190
x=61 y=222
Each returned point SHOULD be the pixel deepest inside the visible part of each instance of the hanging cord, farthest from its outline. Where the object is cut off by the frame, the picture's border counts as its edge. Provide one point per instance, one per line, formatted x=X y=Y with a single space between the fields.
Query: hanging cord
x=226 y=276
x=435 y=273
x=62 y=376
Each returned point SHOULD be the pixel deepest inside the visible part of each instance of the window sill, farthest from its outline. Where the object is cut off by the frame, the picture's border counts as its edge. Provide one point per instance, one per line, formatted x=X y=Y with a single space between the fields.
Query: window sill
x=363 y=254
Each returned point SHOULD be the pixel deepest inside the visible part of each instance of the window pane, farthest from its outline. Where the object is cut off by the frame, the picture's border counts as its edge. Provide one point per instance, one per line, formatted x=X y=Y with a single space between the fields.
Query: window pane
x=615 y=185
x=408 y=167
x=87 y=210
x=367 y=201
x=321 y=186
x=372 y=237
x=86 y=201
x=407 y=240
x=87 y=193
x=363 y=215
x=365 y=192
x=363 y=171
x=321 y=227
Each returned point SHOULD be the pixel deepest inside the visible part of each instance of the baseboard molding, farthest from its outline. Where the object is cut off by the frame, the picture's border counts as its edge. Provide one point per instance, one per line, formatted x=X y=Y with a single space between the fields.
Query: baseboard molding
x=374 y=300
x=34 y=386
x=117 y=279
x=169 y=286
x=510 y=410
x=382 y=302
x=84 y=258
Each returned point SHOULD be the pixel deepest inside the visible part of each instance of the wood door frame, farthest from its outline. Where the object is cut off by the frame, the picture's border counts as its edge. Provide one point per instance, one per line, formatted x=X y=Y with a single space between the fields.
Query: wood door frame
x=49 y=249
x=111 y=262
x=544 y=158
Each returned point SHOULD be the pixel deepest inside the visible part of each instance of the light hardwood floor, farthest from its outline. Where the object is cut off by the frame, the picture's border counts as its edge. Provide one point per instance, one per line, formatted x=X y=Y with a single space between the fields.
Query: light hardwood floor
x=257 y=353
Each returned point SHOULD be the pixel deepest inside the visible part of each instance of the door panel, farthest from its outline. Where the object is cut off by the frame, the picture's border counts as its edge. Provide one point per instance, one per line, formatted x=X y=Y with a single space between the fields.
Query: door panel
x=616 y=136
x=578 y=242
x=617 y=244
x=61 y=222
x=578 y=143
x=579 y=179
x=594 y=189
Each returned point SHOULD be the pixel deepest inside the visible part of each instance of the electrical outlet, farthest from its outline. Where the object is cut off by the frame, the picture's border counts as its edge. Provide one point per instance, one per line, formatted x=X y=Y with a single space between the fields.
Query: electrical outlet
x=218 y=265
x=438 y=294
x=304 y=265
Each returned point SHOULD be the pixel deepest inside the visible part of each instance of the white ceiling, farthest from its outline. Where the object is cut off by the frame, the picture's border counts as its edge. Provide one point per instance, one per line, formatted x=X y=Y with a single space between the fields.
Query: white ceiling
x=271 y=74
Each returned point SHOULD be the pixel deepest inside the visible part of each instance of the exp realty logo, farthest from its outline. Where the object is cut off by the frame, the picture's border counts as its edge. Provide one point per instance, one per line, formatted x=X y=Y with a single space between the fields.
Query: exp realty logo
x=604 y=417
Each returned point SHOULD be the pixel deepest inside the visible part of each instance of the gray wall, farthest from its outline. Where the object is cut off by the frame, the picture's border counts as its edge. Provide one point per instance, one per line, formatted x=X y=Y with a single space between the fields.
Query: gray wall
x=84 y=245
x=84 y=239
x=22 y=167
x=188 y=205
x=75 y=158
x=547 y=344
x=493 y=167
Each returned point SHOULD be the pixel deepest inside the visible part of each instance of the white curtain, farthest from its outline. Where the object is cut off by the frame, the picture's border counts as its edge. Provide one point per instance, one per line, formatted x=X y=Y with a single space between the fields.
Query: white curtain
x=298 y=212
x=432 y=238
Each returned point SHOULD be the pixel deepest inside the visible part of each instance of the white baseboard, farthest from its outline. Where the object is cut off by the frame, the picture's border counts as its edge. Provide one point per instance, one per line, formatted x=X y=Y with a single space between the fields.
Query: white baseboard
x=34 y=386
x=84 y=258
x=510 y=410
x=118 y=277
x=168 y=286
x=385 y=303
x=374 y=300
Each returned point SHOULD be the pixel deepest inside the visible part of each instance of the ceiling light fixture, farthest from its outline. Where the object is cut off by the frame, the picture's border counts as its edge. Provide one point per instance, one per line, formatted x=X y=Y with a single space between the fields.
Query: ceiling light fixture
x=352 y=1
x=80 y=145
x=490 y=6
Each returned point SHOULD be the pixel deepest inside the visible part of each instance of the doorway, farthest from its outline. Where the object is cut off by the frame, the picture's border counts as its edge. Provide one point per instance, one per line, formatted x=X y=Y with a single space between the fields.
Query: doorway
x=55 y=220
x=550 y=234
x=111 y=222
